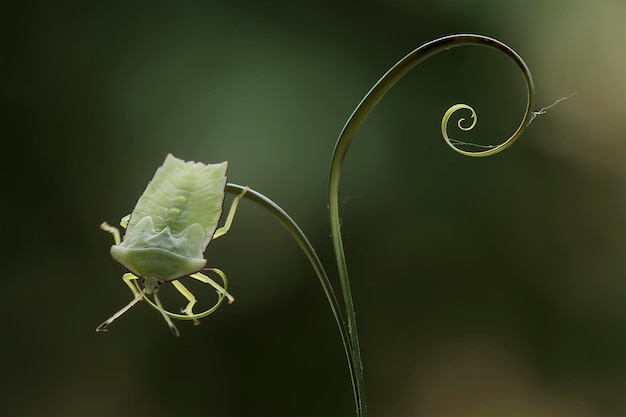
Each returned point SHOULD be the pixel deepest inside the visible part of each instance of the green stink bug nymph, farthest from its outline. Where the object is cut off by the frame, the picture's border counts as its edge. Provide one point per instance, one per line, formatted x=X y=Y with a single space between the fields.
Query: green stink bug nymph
x=167 y=233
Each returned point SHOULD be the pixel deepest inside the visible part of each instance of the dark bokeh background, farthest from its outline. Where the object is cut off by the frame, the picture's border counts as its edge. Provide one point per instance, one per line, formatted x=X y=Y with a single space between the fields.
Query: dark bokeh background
x=491 y=287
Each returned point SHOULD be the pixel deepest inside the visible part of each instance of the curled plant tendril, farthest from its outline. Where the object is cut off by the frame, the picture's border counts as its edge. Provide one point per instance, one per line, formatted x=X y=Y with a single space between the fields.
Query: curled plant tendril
x=453 y=143
x=347 y=328
x=444 y=126
x=193 y=317
x=462 y=119
x=388 y=80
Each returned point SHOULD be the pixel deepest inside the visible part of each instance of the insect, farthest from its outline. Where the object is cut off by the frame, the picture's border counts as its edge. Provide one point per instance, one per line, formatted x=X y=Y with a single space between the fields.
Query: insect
x=167 y=233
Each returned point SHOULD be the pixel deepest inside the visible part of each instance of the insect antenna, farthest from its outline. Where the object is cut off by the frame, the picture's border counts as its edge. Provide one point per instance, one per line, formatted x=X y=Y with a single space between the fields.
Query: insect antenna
x=103 y=326
x=165 y=316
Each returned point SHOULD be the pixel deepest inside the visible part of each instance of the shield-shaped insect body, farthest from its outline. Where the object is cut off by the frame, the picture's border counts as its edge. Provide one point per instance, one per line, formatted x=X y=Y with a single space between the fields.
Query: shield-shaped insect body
x=170 y=228
x=173 y=221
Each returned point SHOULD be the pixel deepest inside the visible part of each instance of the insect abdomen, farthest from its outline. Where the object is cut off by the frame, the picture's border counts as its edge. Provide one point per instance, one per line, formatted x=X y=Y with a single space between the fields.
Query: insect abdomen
x=181 y=194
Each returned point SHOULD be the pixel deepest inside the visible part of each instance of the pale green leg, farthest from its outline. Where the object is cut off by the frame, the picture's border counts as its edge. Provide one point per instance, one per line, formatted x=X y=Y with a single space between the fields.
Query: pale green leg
x=218 y=233
x=164 y=314
x=220 y=290
x=113 y=230
x=231 y=214
x=189 y=296
x=138 y=297
x=124 y=221
x=128 y=280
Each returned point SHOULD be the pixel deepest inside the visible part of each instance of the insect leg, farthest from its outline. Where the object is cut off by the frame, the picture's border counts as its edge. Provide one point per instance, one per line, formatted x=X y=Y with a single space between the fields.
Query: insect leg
x=113 y=230
x=203 y=278
x=231 y=214
x=128 y=278
x=124 y=221
x=138 y=297
x=165 y=316
x=189 y=296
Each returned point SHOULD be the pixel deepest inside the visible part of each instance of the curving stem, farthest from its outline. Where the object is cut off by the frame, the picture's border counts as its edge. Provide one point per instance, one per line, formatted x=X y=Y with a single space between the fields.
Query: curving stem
x=352 y=126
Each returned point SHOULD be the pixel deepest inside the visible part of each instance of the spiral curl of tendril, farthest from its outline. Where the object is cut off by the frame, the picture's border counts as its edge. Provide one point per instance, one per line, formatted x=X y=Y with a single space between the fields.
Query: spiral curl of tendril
x=453 y=143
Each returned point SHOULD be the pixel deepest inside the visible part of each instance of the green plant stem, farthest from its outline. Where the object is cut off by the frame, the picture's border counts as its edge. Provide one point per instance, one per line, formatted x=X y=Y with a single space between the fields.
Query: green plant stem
x=306 y=246
x=349 y=131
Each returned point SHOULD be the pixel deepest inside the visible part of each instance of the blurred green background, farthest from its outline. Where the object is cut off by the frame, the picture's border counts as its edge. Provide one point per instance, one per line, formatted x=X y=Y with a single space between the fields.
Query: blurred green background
x=491 y=287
